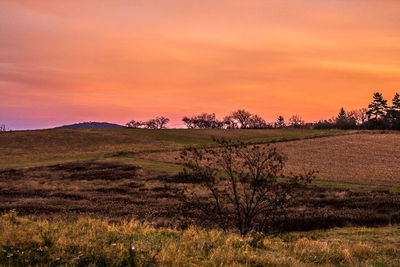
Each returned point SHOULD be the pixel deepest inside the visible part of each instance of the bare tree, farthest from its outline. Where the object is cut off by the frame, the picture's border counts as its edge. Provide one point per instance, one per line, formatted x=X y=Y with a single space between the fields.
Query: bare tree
x=135 y=124
x=157 y=123
x=296 y=121
x=359 y=115
x=230 y=122
x=203 y=120
x=243 y=118
x=256 y=122
x=248 y=192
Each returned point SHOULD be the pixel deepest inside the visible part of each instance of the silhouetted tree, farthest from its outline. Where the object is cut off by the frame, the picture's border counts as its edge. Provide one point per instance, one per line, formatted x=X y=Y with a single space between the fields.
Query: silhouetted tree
x=325 y=124
x=343 y=121
x=157 y=123
x=230 y=122
x=249 y=193
x=161 y=122
x=377 y=108
x=204 y=120
x=296 y=121
x=280 y=122
x=395 y=112
x=242 y=117
x=359 y=115
x=3 y=128
x=256 y=122
x=135 y=124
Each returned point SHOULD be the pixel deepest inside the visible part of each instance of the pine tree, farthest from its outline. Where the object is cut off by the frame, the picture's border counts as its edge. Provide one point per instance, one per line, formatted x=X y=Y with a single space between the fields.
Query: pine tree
x=342 y=115
x=395 y=112
x=378 y=107
x=396 y=102
x=343 y=121
x=280 y=122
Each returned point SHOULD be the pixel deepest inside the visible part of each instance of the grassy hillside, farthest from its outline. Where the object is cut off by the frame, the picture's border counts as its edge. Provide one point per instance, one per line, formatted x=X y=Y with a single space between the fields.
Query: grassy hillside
x=132 y=173
x=34 y=148
x=92 y=242
x=362 y=158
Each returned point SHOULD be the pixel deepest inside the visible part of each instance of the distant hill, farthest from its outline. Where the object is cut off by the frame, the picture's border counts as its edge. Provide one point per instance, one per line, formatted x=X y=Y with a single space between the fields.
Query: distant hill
x=91 y=125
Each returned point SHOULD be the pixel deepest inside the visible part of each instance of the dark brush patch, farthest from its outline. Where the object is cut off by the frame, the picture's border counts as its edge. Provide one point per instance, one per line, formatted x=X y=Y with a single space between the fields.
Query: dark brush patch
x=159 y=200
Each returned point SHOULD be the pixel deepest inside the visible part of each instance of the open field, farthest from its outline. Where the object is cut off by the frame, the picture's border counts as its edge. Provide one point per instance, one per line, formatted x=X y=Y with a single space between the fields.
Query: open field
x=118 y=191
x=76 y=190
x=364 y=159
x=100 y=243
x=21 y=149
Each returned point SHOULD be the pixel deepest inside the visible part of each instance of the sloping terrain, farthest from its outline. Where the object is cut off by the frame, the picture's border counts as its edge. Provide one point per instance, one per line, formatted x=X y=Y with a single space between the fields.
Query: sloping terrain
x=366 y=159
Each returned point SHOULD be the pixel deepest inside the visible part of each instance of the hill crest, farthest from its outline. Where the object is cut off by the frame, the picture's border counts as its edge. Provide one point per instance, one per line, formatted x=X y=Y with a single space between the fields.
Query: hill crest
x=91 y=125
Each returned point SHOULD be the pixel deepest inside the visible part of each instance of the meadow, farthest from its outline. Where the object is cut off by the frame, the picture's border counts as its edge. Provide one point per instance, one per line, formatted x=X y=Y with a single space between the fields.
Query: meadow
x=89 y=196
x=100 y=243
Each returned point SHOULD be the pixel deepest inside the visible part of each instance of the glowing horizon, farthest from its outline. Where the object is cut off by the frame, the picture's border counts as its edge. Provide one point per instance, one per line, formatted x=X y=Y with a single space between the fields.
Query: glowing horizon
x=64 y=62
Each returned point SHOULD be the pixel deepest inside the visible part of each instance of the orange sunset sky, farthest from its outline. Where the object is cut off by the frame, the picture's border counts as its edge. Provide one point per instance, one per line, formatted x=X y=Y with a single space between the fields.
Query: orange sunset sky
x=116 y=60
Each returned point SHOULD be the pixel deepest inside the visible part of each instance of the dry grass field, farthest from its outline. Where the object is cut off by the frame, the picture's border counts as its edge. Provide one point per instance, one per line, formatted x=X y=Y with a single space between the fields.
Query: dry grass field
x=371 y=159
x=62 y=181
x=366 y=159
x=119 y=191
x=21 y=149
x=100 y=243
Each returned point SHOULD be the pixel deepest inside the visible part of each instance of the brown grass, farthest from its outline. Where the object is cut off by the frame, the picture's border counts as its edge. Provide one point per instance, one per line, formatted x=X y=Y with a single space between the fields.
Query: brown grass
x=372 y=159
x=43 y=147
x=120 y=191
x=369 y=159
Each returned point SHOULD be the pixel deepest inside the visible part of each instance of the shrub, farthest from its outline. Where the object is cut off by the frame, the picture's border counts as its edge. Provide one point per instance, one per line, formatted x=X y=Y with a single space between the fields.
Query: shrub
x=248 y=191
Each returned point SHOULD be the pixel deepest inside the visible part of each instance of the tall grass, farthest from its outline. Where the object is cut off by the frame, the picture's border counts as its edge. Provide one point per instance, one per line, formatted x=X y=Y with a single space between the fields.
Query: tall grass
x=99 y=243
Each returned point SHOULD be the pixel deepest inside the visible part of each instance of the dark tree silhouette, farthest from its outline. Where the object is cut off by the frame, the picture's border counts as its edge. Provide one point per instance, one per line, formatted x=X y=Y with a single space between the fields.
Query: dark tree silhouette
x=248 y=193
x=242 y=117
x=157 y=123
x=296 y=121
x=230 y=122
x=203 y=120
x=343 y=121
x=359 y=115
x=377 y=108
x=135 y=124
x=395 y=112
x=256 y=122
x=280 y=122
x=3 y=128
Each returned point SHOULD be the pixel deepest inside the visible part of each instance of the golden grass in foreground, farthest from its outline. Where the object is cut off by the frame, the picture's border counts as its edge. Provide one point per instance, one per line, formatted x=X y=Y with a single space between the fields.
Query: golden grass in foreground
x=93 y=242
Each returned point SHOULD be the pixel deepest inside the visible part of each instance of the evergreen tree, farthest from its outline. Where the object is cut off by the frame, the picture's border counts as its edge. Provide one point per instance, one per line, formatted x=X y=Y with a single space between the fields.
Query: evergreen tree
x=395 y=112
x=280 y=122
x=378 y=107
x=396 y=103
x=342 y=115
x=342 y=121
